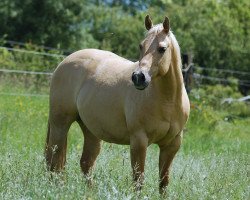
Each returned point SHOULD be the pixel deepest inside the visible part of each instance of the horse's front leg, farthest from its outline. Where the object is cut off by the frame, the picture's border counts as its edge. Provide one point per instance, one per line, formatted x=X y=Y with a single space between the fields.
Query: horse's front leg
x=138 y=147
x=167 y=154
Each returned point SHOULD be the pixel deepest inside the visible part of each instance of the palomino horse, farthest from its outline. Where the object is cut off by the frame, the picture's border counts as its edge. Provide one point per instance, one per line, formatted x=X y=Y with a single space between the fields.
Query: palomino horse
x=122 y=102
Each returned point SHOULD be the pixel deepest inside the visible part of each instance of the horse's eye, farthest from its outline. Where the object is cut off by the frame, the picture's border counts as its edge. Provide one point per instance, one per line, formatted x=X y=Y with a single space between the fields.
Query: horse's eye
x=162 y=49
x=140 y=46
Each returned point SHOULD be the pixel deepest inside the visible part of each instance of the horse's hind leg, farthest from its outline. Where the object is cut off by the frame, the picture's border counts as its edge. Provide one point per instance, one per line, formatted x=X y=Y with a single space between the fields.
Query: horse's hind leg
x=91 y=149
x=56 y=143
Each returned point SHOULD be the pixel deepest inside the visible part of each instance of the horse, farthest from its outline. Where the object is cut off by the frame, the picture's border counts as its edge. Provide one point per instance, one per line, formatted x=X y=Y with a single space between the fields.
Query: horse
x=120 y=101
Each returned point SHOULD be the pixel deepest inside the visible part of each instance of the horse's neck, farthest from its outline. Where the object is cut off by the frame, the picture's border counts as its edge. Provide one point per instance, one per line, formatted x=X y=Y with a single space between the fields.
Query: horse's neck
x=171 y=85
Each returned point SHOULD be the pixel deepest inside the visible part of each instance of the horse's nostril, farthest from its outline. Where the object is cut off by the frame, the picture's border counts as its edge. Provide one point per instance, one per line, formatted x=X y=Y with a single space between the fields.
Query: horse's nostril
x=133 y=77
x=142 y=77
x=138 y=78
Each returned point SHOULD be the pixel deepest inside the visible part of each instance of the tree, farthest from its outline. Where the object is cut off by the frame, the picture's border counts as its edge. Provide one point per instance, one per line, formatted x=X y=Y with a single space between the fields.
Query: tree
x=215 y=31
x=56 y=23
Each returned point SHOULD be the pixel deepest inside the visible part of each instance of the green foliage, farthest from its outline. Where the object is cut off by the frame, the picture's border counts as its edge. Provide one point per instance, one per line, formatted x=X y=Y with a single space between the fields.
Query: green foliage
x=29 y=60
x=217 y=32
x=118 y=31
x=7 y=59
x=57 y=23
x=240 y=109
x=210 y=110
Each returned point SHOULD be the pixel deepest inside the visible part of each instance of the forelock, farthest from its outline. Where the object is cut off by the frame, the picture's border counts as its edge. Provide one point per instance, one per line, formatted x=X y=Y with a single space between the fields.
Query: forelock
x=155 y=30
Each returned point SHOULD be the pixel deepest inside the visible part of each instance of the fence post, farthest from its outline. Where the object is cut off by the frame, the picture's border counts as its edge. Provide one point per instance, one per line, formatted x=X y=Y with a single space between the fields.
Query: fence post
x=187 y=63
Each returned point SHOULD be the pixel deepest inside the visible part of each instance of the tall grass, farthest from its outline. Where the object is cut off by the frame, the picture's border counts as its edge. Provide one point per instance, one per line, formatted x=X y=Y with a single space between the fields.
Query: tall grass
x=213 y=162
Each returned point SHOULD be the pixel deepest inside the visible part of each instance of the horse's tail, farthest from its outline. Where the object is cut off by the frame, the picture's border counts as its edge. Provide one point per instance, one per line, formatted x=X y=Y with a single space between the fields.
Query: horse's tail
x=47 y=137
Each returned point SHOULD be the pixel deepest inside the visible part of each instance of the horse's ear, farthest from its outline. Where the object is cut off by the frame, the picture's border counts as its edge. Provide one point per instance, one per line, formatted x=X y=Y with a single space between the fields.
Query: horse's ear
x=166 y=25
x=148 y=22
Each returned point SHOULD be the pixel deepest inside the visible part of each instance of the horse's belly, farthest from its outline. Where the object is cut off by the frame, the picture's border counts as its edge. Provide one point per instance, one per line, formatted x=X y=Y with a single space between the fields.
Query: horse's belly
x=117 y=136
x=109 y=129
x=103 y=116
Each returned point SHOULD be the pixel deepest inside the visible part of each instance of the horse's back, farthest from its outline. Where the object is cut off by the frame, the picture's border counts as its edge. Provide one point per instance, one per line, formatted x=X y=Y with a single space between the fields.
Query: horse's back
x=95 y=54
x=87 y=61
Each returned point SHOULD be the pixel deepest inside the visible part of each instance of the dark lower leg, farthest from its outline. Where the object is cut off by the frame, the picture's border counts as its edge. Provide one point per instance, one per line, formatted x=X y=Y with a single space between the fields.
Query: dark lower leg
x=56 y=148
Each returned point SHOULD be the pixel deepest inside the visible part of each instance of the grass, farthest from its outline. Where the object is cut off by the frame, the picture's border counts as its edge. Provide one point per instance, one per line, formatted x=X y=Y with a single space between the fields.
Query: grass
x=213 y=162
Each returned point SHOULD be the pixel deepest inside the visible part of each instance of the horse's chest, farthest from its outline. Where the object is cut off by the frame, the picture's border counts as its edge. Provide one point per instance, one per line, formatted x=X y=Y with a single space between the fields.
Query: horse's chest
x=156 y=129
x=161 y=123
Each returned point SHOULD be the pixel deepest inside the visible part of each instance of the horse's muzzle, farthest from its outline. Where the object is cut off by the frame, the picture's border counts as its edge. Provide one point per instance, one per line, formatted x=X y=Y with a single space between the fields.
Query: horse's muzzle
x=139 y=80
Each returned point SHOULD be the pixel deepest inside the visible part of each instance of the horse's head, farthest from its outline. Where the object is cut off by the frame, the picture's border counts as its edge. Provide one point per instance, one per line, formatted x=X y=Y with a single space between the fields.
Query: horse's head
x=155 y=53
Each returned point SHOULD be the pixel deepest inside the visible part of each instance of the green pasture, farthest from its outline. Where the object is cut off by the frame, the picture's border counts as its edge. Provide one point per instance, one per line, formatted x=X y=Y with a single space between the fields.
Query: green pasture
x=213 y=162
